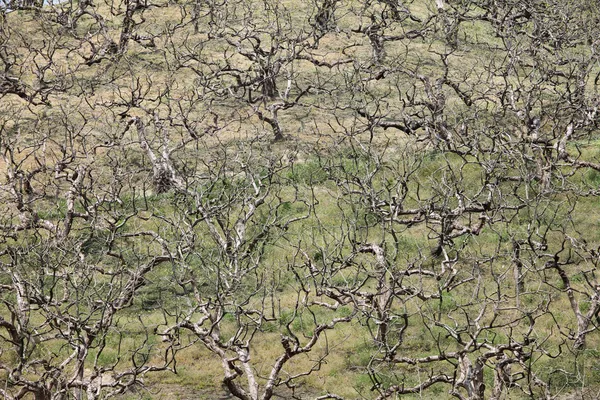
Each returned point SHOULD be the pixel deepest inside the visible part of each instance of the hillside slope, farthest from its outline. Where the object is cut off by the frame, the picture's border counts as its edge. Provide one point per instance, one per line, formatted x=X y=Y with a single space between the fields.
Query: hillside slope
x=330 y=199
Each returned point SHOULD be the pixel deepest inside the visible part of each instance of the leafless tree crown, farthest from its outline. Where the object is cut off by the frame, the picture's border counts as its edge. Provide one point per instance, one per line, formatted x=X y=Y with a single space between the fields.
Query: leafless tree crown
x=401 y=196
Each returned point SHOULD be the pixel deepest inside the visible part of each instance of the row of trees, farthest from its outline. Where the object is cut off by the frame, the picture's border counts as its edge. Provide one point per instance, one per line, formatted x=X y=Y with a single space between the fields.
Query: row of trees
x=227 y=173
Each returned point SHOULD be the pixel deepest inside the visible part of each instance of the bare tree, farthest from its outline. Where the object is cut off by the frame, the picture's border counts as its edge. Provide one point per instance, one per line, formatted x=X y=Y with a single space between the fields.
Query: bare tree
x=70 y=270
x=450 y=227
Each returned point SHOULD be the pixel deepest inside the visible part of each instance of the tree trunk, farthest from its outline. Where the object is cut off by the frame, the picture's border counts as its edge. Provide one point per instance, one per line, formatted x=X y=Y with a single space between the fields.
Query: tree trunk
x=518 y=271
x=471 y=378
